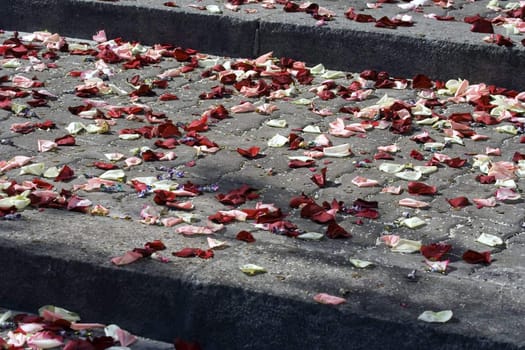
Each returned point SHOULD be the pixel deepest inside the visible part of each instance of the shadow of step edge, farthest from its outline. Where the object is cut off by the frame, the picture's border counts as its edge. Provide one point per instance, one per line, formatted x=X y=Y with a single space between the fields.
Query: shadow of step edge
x=166 y=305
x=344 y=45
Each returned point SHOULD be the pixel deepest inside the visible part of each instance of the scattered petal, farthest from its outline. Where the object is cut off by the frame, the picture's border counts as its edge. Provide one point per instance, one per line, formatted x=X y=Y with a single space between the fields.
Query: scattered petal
x=490 y=240
x=361 y=264
x=311 y=236
x=252 y=269
x=474 y=257
x=324 y=298
x=436 y=317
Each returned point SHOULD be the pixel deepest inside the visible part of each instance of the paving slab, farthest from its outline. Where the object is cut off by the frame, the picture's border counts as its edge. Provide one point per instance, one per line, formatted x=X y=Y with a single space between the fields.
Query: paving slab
x=64 y=257
x=445 y=49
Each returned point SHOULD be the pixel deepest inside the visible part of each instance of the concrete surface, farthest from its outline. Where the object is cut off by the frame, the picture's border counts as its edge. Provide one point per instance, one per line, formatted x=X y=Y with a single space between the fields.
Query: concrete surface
x=63 y=258
x=441 y=49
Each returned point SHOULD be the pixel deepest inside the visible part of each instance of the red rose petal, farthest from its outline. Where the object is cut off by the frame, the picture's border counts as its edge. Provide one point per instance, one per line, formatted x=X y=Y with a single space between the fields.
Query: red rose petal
x=65 y=174
x=336 y=231
x=455 y=162
x=486 y=179
x=416 y=155
x=245 y=236
x=301 y=164
x=435 y=251
x=67 y=140
x=105 y=166
x=458 y=202
x=320 y=179
x=421 y=188
x=473 y=257
x=250 y=153
x=421 y=81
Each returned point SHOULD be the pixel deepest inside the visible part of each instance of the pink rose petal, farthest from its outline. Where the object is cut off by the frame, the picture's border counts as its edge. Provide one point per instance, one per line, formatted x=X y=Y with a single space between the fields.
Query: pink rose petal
x=324 y=298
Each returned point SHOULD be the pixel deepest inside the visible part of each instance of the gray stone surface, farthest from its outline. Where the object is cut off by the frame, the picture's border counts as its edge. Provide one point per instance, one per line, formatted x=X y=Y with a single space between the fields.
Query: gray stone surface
x=441 y=49
x=63 y=258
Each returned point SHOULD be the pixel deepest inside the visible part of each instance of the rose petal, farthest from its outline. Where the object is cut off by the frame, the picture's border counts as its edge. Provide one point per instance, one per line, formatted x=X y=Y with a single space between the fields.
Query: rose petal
x=435 y=317
x=324 y=298
x=474 y=257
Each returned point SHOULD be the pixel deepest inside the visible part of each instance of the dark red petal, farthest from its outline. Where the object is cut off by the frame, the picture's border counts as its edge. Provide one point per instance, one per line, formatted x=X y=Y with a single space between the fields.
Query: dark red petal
x=415 y=187
x=186 y=253
x=518 y=156
x=482 y=26
x=65 y=174
x=67 y=140
x=336 y=231
x=245 y=236
x=186 y=345
x=455 y=162
x=168 y=97
x=364 y=204
x=367 y=213
x=421 y=81
x=458 y=202
x=383 y=155
x=473 y=257
x=155 y=245
x=416 y=155
x=320 y=179
x=301 y=164
x=166 y=144
x=435 y=251
x=105 y=166
x=221 y=218
x=150 y=156
x=42 y=184
x=301 y=200
x=385 y=22
x=486 y=179
x=205 y=254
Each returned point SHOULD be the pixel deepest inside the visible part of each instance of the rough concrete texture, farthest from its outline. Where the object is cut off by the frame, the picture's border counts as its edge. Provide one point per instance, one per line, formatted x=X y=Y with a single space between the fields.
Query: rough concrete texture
x=441 y=49
x=63 y=258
